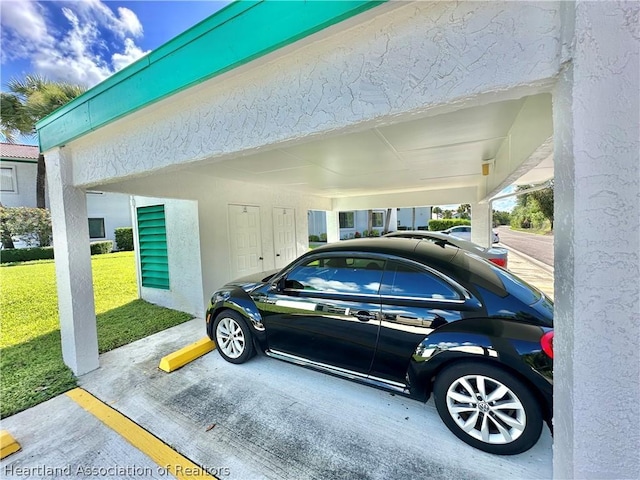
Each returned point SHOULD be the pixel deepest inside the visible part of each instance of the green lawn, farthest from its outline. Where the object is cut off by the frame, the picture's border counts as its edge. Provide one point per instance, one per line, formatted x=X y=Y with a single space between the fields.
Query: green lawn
x=31 y=364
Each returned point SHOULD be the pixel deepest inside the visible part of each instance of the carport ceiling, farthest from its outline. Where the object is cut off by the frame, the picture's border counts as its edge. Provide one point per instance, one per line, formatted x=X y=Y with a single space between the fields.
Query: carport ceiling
x=443 y=151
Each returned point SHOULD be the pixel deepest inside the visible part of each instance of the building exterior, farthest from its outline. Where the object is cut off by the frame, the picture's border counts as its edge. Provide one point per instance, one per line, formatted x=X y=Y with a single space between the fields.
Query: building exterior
x=105 y=211
x=364 y=105
x=356 y=222
x=18 y=164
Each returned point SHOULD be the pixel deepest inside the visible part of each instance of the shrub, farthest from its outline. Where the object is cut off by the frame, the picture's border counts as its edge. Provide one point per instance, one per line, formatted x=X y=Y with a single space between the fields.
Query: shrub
x=31 y=225
x=314 y=238
x=358 y=235
x=323 y=237
x=26 y=254
x=437 y=225
x=124 y=238
x=98 y=248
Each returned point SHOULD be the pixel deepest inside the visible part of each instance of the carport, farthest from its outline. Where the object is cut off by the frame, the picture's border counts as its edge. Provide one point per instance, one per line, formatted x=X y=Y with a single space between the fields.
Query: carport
x=272 y=109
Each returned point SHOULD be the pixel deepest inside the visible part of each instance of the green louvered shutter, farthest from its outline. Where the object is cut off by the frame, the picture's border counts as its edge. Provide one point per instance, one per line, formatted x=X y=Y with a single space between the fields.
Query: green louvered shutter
x=154 y=261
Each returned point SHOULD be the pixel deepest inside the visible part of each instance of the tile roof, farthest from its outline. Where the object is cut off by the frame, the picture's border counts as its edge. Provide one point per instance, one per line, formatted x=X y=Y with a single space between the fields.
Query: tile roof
x=13 y=150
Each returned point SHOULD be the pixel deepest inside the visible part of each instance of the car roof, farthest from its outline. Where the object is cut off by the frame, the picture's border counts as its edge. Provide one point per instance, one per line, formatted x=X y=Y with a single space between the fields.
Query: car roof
x=402 y=247
x=439 y=235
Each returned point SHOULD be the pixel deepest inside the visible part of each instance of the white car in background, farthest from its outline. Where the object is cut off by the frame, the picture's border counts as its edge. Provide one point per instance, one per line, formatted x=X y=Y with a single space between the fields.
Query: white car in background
x=464 y=232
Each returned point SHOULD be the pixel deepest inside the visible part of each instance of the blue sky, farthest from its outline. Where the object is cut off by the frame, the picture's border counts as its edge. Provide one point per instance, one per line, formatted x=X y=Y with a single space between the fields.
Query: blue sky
x=86 y=41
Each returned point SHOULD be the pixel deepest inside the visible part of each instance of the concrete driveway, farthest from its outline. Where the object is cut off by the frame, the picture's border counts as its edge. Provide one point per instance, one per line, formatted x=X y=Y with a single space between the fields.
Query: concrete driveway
x=269 y=419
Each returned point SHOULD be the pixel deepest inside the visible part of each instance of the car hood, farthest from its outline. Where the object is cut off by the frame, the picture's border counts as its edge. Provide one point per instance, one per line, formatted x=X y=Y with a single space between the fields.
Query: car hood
x=254 y=280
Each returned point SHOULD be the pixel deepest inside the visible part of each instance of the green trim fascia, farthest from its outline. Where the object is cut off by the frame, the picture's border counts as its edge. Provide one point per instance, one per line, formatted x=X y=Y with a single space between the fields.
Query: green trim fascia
x=18 y=161
x=233 y=36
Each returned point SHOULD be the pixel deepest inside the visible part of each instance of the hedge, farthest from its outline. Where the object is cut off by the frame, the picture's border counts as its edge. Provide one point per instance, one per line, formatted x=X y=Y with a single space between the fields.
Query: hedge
x=443 y=224
x=13 y=255
x=124 y=238
x=98 y=248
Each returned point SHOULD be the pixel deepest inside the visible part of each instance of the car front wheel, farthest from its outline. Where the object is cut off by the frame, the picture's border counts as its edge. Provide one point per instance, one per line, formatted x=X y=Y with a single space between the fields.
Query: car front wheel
x=233 y=337
x=488 y=408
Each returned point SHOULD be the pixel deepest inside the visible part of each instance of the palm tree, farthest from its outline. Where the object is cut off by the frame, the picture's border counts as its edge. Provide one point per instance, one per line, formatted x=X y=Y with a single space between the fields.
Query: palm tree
x=28 y=101
x=465 y=211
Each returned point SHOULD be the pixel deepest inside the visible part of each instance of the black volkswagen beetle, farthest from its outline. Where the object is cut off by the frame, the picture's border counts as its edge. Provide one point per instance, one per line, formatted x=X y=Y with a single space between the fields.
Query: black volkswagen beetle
x=412 y=317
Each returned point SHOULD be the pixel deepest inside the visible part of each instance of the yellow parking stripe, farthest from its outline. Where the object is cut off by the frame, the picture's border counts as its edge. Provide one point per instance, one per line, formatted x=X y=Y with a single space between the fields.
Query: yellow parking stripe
x=167 y=458
x=187 y=354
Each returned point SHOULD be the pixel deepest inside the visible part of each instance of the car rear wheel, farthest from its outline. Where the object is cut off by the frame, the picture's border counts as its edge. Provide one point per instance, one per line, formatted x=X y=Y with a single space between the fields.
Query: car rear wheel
x=233 y=337
x=488 y=408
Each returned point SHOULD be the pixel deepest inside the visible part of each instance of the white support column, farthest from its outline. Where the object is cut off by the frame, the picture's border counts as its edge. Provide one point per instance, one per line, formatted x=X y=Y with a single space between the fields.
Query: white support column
x=333 y=227
x=597 y=246
x=481 y=223
x=73 y=265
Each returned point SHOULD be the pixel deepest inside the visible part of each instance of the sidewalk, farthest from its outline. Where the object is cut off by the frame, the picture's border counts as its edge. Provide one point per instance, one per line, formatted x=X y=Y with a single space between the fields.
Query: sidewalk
x=531 y=270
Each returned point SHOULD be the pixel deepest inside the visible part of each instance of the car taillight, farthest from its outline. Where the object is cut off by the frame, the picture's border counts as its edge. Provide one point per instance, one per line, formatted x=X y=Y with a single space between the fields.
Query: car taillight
x=501 y=262
x=546 y=342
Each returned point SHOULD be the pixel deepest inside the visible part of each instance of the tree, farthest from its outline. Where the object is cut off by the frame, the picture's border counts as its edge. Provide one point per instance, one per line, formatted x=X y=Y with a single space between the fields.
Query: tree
x=532 y=207
x=447 y=214
x=437 y=211
x=465 y=211
x=545 y=201
x=28 y=101
x=501 y=218
x=31 y=225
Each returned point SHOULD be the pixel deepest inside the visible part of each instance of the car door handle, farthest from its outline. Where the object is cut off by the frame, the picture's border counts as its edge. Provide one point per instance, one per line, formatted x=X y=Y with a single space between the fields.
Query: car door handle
x=364 y=316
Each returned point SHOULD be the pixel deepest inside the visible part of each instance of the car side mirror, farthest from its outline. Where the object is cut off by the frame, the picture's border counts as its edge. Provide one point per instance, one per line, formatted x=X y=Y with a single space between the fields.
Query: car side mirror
x=279 y=285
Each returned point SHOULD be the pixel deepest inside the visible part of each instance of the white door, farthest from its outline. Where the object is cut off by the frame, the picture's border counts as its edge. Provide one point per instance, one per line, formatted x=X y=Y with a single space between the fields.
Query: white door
x=245 y=240
x=284 y=235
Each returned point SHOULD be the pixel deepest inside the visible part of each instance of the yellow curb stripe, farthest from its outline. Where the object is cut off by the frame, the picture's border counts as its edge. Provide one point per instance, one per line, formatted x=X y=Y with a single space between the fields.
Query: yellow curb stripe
x=8 y=444
x=187 y=354
x=166 y=457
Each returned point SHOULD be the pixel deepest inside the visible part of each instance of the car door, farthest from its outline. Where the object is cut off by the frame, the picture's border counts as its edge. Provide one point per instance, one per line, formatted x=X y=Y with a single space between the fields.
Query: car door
x=326 y=310
x=415 y=300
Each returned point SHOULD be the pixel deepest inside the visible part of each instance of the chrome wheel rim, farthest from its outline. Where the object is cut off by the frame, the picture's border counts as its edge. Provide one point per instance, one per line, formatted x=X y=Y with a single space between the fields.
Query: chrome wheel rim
x=230 y=337
x=486 y=409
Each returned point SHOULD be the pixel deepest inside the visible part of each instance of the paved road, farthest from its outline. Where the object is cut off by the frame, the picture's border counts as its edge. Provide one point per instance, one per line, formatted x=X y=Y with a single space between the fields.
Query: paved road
x=539 y=247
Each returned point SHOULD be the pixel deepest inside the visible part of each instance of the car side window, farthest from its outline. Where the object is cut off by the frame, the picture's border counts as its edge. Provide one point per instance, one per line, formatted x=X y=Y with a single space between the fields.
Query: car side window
x=405 y=280
x=346 y=275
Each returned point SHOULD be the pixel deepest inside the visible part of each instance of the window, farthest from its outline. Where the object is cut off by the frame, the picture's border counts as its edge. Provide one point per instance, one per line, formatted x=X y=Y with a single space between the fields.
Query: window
x=96 y=228
x=408 y=281
x=347 y=219
x=152 y=234
x=346 y=275
x=9 y=183
x=377 y=219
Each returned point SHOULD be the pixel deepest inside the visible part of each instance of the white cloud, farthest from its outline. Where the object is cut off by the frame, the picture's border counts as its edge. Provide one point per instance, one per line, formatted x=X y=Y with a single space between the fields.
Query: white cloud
x=77 y=51
x=130 y=21
x=131 y=53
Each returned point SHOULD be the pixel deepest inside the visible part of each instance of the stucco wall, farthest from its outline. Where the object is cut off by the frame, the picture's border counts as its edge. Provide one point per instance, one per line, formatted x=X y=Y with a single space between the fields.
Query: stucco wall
x=208 y=215
x=406 y=60
x=183 y=250
x=597 y=246
x=26 y=185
